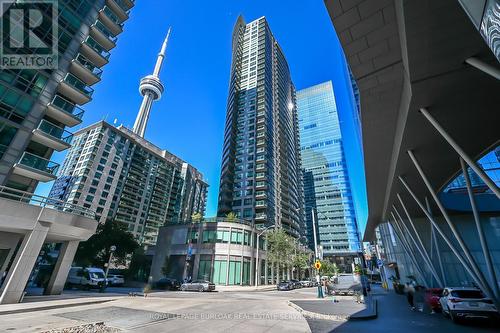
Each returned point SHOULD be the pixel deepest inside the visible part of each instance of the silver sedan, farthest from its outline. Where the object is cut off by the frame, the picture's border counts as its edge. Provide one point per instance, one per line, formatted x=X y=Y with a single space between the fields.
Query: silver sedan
x=198 y=285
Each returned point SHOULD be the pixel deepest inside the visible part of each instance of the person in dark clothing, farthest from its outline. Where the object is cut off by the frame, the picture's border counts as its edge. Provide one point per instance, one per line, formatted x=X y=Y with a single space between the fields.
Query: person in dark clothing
x=410 y=292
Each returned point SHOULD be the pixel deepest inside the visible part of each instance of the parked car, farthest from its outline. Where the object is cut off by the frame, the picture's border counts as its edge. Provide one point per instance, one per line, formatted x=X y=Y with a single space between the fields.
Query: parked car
x=198 y=285
x=167 y=283
x=296 y=284
x=464 y=303
x=116 y=280
x=86 y=278
x=432 y=296
x=285 y=285
x=306 y=283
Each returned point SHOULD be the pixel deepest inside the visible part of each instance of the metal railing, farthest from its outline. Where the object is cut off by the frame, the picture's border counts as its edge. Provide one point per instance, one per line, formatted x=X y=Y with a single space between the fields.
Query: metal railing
x=37 y=200
x=82 y=60
x=78 y=85
x=123 y=5
x=94 y=45
x=65 y=105
x=223 y=219
x=112 y=16
x=36 y=162
x=55 y=131
x=105 y=31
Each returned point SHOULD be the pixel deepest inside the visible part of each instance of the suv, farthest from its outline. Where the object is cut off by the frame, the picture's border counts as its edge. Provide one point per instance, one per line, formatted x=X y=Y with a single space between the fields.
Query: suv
x=458 y=303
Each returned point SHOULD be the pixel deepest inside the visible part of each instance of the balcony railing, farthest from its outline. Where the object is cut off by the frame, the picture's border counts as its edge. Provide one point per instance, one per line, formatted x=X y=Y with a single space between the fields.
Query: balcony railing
x=105 y=31
x=78 y=85
x=55 y=131
x=112 y=16
x=67 y=106
x=39 y=163
x=80 y=58
x=123 y=5
x=94 y=45
x=34 y=199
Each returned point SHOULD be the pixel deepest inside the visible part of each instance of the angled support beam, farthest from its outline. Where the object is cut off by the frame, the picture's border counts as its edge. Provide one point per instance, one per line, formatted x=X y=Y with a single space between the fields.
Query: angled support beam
x=465 y=264
x=458 y=237
x=480 y=231
x=484 y=177
x=434 y=239
x=407 y=248
x=421 y=248
x=484 y=67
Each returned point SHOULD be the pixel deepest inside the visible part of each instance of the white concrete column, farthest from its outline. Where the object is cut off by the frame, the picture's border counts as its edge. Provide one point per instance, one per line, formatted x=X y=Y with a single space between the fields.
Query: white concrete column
x=22 y=266
x=61 y=268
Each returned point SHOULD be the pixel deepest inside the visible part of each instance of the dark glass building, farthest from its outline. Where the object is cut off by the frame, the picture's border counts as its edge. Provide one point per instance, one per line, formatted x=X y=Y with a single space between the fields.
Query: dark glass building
x=261 y=178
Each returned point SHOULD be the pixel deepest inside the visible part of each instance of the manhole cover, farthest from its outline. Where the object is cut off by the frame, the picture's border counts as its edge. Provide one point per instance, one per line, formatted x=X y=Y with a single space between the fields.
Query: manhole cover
x=119 y=317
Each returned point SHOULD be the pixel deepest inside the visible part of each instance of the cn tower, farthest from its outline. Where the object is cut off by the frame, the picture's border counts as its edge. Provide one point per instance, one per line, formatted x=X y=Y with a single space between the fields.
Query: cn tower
x=151 y=89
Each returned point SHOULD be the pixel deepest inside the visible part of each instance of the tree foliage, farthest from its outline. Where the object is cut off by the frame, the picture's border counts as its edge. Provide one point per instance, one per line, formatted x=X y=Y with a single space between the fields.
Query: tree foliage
x=95 y=251
x=196 y=217
x=231 y=216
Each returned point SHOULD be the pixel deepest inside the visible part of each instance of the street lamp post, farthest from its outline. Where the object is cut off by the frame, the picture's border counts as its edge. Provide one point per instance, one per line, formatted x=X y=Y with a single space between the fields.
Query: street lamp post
x=257 y=266
x=318 y=280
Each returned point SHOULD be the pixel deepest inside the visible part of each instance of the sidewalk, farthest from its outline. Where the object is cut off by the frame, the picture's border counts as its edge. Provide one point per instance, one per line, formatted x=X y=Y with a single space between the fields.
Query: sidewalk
x=7 y=309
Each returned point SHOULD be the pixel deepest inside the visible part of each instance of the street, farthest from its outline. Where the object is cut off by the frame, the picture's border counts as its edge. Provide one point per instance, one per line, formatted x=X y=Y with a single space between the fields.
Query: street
x=238 y=311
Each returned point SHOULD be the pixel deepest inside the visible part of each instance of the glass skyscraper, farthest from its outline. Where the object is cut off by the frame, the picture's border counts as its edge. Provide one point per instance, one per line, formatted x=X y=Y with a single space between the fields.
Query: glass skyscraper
x=261 y=178
x=326 y=182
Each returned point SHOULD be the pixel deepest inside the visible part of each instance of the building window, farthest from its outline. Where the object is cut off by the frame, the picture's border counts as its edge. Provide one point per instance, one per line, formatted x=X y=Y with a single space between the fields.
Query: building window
x=236 y=237
x=204 y=268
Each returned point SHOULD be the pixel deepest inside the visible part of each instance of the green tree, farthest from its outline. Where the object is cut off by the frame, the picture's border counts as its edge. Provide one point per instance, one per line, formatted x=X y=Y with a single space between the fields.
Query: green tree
x=231 y=216
x=196 y=217
x=95 y=251
x=329 y=268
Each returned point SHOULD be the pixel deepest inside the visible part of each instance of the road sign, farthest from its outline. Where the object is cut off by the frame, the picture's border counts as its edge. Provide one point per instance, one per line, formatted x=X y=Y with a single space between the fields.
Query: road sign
x=380 y=263
x=317 y=264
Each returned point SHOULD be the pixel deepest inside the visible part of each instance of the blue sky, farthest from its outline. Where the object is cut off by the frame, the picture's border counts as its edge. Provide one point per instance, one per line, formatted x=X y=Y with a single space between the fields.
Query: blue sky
x=189 y=119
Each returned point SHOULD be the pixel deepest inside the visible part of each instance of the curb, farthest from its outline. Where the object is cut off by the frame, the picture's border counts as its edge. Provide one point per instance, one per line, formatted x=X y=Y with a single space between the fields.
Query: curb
x=52 y=307
x=334 y=317
x=373 y=315
x=314 y=315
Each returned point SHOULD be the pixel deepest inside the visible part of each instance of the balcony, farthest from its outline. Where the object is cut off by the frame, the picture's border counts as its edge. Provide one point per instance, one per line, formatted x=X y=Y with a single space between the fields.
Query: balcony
x=94 y=51
x=64 y=111
x=112 y=21
x=120 y=8
x=36 y=167
x=75 y=89
x=85 y=70
x=52 y=136
x=103 y=35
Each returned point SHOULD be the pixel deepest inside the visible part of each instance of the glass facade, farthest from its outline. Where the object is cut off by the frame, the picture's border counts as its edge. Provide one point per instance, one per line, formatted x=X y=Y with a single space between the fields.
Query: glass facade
x=326 y=182
x=260 y=177
x=30 y=98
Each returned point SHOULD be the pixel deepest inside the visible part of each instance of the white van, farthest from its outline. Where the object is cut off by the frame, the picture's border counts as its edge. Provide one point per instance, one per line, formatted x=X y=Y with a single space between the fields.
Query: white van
x=86 y=278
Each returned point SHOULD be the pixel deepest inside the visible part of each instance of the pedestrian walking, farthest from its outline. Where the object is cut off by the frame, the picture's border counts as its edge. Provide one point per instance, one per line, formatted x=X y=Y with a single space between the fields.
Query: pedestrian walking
x=410 y=293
